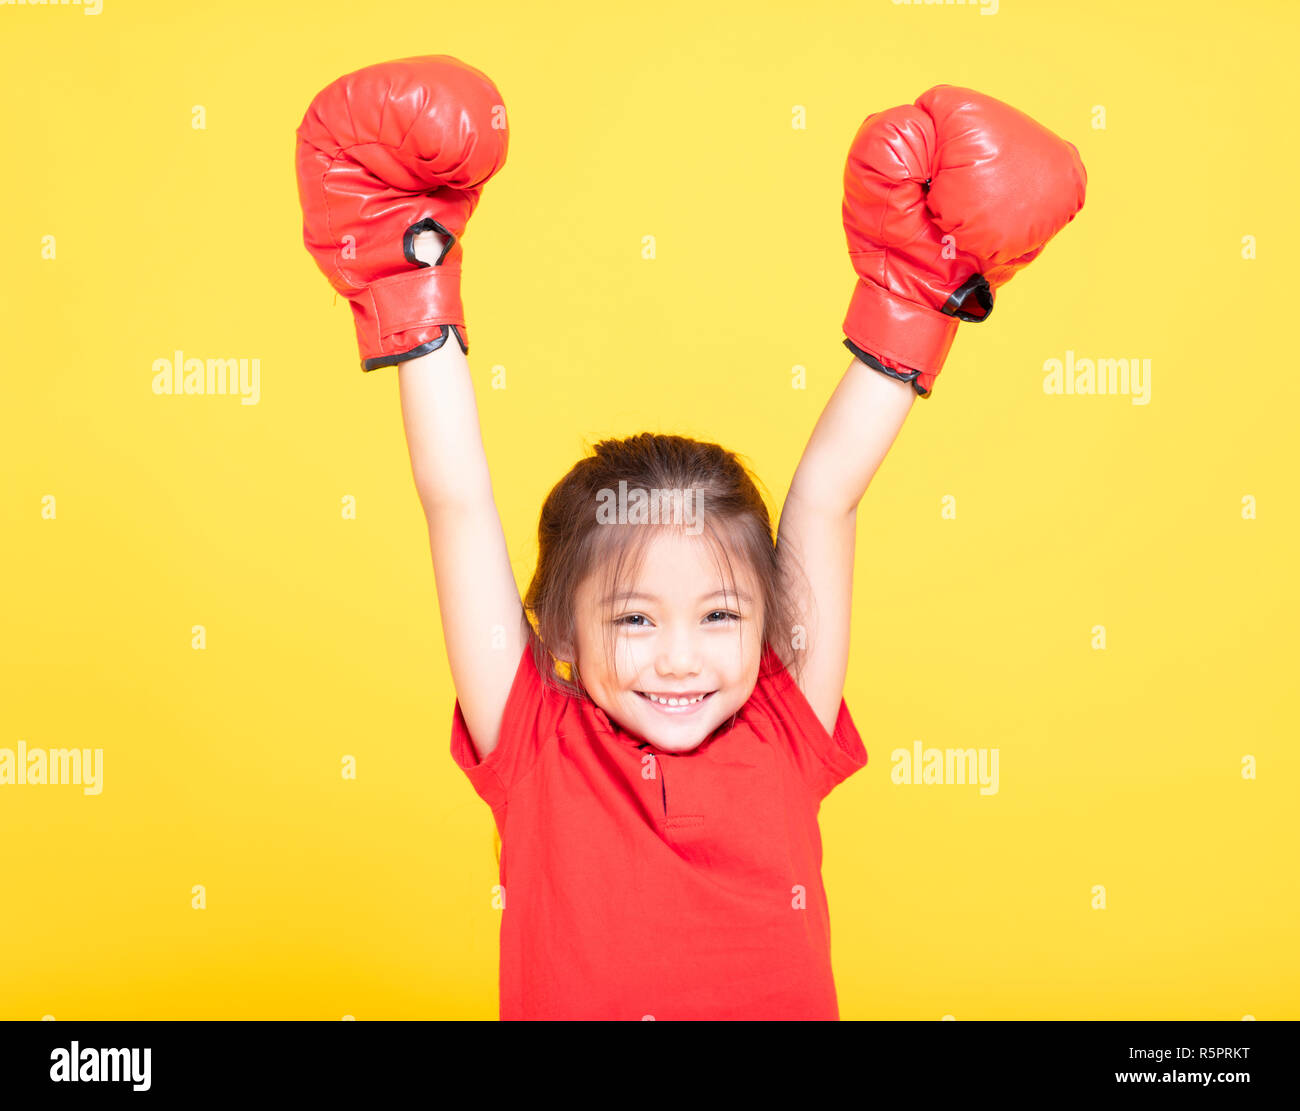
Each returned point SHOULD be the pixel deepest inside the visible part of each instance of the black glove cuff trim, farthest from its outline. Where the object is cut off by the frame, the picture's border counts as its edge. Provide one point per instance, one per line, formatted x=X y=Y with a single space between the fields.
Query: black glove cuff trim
x=876 y=364
x=416 y=352
x=913 y=379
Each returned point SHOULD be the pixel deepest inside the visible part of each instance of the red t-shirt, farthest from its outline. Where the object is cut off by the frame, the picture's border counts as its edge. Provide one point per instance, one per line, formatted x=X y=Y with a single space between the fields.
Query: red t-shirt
x=642 y=883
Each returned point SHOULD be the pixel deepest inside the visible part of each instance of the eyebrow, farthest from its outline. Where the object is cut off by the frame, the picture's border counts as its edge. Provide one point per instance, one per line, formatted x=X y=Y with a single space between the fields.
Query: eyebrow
x=628 y=595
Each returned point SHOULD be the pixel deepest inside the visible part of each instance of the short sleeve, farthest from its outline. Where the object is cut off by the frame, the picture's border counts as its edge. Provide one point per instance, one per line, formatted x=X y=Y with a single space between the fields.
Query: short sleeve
x=531 y=717
x=824 y=760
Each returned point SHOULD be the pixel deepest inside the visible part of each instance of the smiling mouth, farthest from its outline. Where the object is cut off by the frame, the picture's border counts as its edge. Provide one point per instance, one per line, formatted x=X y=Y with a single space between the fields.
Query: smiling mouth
x=675 y=705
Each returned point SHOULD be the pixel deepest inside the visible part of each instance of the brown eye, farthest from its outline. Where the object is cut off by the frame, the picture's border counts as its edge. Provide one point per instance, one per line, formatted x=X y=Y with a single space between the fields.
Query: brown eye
x=725 y=614
x=627 y=620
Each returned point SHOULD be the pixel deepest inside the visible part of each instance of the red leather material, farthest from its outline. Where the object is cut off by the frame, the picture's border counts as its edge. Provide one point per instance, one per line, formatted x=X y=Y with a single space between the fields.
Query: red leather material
x=938 y=192
x=904 y=335
x=380 y=150
x=418 y=300
x=1004 y=184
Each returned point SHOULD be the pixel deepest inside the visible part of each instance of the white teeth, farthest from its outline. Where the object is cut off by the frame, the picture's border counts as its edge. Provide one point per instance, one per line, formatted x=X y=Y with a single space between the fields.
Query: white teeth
x=673 y=701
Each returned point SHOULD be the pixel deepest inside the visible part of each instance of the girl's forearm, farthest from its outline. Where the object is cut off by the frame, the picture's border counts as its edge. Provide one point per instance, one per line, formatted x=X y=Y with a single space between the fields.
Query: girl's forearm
x=853 y=435
x=439 y=412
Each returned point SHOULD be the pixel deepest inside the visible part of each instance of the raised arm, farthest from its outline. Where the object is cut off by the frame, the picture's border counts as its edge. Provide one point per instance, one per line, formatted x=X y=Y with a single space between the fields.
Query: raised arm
x=483 y=621
x=945 y=200
x=391 y=162
x=819 y=521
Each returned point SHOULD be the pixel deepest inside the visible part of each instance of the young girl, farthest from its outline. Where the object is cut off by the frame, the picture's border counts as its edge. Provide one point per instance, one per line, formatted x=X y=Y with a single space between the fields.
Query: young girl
x=656 y=741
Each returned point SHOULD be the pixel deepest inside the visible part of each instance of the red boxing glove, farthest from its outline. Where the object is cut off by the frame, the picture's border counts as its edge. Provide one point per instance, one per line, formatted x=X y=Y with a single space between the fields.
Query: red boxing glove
x=944 y=201
x=383 y=154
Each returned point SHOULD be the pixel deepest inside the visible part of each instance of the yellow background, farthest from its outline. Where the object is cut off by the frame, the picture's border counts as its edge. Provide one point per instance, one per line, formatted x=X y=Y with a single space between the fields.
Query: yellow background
x=372 y=897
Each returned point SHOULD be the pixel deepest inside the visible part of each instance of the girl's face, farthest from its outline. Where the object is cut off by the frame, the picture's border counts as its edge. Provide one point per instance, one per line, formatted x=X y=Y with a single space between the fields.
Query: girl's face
x=677 y=632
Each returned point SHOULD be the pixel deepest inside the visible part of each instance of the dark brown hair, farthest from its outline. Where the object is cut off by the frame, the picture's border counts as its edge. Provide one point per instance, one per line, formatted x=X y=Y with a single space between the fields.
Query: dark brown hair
x=574 y=543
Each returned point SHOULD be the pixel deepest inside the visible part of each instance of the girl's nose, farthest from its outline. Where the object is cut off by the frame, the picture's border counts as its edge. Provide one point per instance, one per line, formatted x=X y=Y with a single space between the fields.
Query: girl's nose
x=678 y=654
